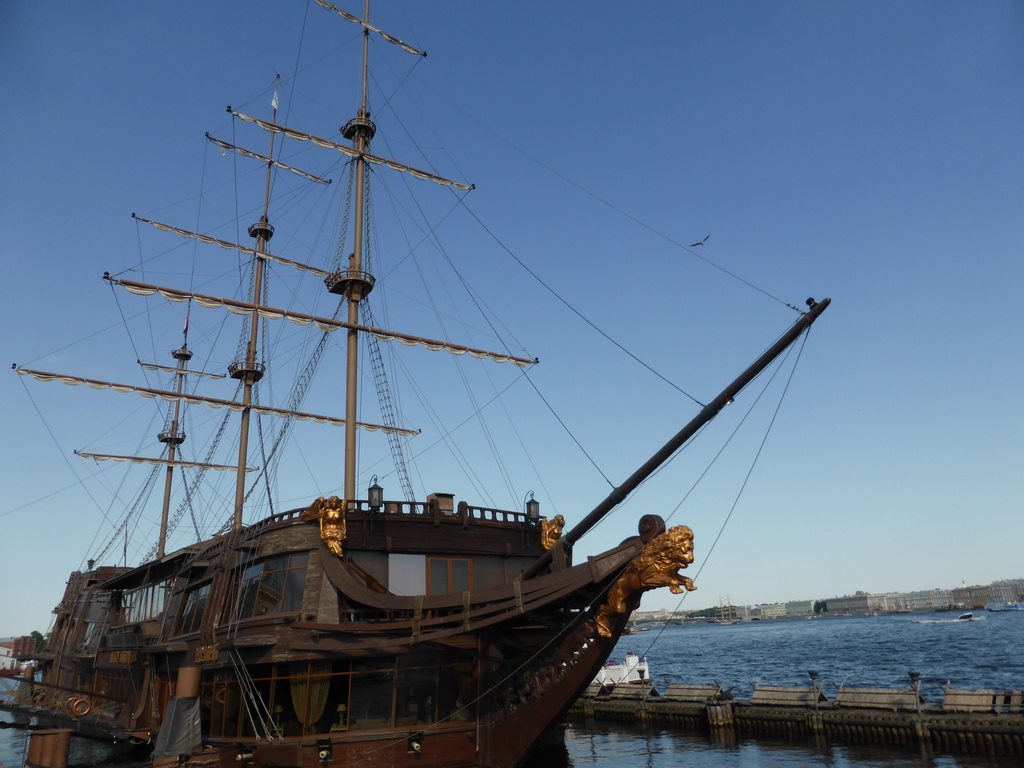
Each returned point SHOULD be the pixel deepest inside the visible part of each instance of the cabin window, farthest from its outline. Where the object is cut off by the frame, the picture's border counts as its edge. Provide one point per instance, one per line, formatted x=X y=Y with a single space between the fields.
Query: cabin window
x=192 y=609
x=416 y=692
x=515 y=566
x=320 y=698
x=373 y=695
x=374 y=564
x=144 y=603
x=488 y=571
x=407 y=574
x=274 y=585
x=448 y=575
x=455 y=692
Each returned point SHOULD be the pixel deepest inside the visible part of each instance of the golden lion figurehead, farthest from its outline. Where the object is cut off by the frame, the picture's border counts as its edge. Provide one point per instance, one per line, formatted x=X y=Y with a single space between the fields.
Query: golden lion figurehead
x=660 y=560
x=657 y=565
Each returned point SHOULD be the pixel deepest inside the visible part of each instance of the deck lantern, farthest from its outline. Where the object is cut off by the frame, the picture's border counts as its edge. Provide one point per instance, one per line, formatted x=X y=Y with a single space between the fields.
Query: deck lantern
x=375 y=495
x=532 y=507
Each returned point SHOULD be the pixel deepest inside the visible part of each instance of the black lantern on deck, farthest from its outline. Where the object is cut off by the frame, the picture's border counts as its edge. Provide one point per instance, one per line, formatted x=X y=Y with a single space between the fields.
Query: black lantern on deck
x=532 y=507
x=375 y=495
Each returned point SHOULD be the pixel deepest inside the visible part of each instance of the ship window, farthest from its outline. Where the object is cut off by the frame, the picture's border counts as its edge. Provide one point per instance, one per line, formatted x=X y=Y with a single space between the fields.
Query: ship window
x=270 y=586
x=144 y=603
x=416 y=692
x=448 y=575
x=455 y=692
x=192 y=609
x=373 y=700
x=515 y=566
x=307 y=698
x=488 y=571
x=407 y=574
x=375 y=564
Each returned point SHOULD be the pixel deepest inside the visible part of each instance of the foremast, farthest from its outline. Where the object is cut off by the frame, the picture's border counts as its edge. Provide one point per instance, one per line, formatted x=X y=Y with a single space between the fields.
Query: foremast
x=249 y=370
x=172 y=438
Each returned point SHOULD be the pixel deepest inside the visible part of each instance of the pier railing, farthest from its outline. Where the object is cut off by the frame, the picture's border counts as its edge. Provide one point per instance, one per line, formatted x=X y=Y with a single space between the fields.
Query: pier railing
x=432 y=509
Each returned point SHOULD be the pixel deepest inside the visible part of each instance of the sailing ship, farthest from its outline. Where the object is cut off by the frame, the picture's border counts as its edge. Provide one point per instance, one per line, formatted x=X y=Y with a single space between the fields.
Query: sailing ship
x=352 y=629
x=726 y=611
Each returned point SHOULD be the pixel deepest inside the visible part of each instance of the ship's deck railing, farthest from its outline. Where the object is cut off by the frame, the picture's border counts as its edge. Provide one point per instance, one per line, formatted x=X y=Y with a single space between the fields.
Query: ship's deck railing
x=406 y=509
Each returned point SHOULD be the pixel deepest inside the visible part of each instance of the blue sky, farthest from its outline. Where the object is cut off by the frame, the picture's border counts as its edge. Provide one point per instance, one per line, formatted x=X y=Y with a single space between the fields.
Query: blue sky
x=867 y=151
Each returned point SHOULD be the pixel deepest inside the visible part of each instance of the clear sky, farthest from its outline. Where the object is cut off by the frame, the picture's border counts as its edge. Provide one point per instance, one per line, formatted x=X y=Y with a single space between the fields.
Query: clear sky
x=867 y=151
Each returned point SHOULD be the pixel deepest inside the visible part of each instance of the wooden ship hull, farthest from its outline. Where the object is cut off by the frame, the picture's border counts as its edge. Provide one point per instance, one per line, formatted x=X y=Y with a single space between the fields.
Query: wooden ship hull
x=270 y=650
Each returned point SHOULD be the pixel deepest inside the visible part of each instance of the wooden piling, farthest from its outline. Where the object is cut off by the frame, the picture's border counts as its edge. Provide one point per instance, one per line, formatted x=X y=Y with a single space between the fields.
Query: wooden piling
x=49 y=748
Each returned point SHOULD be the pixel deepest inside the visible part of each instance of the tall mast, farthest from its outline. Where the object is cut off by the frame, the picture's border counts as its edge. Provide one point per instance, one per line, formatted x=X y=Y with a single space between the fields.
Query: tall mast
x=172 y=438
x=355 y=283
x=249 y=370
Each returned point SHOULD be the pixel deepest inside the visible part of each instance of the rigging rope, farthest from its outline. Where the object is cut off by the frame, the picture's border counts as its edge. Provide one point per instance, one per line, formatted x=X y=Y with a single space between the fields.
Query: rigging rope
x=140 y=498
x=746 y=479
x=615 y=208
x=255 y=708
x=387 y=407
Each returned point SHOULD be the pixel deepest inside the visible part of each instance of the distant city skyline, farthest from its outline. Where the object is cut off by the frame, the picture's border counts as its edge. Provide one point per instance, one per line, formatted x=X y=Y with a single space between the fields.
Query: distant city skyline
x=965 y=596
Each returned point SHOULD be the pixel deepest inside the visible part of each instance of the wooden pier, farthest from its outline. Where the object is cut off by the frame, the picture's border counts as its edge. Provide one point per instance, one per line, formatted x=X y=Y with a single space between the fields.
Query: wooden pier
x=975 y=722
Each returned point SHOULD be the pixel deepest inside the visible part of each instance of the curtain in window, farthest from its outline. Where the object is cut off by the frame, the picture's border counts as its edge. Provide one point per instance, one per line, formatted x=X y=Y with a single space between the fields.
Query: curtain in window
x=309 y=693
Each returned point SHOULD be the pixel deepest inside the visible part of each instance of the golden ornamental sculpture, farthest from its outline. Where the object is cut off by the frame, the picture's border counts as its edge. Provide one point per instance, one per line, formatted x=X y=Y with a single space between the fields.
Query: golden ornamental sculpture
x=657 y=565
x=550 y=532
x=331 y=514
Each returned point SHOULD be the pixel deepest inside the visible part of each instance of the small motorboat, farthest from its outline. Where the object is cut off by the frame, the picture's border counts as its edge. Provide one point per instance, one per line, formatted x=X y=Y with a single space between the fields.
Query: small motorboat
x=965 y=617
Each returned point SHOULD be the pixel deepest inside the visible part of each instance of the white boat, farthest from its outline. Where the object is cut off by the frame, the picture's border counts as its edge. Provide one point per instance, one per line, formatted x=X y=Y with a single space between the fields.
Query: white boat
x=965 y=617
x=1001 y=605
x=634 y=671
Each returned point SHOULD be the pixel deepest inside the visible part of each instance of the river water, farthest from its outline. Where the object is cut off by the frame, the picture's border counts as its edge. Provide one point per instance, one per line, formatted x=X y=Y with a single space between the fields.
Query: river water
x=858 y=651
x=863 y=652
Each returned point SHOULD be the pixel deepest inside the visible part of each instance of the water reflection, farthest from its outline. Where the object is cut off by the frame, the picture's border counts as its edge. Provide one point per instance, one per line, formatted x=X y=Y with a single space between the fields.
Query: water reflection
x=625 y=746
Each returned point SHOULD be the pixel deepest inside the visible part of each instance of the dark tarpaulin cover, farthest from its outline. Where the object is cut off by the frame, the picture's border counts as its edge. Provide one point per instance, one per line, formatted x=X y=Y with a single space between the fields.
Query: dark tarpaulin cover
x=180 y=732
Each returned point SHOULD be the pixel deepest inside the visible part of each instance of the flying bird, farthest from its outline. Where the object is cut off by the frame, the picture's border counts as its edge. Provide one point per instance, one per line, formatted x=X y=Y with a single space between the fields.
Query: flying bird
x=694 y=245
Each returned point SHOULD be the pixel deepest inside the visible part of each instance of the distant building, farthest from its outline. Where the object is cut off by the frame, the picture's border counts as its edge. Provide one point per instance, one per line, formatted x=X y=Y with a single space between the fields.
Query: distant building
x=661 y=613
x=7 y=660
x=971 y=597
x=800 y=608
x=928 y=600
x=1008 y=590
x=773 y=611
x=858 y=604
x=24 y=647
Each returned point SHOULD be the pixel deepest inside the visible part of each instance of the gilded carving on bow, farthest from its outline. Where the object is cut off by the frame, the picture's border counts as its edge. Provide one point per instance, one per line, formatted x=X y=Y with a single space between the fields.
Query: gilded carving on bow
x=331 y=514
x=550 y=532
x=657 y=565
